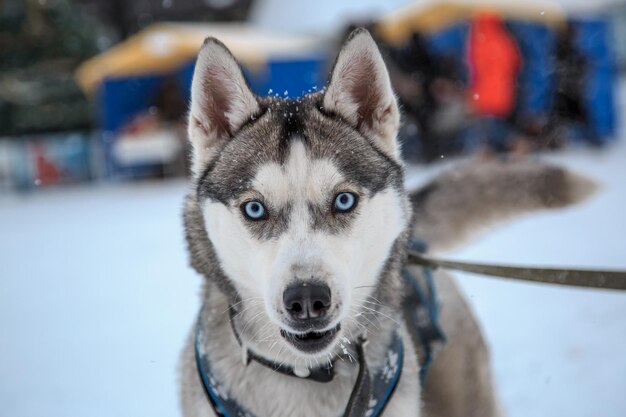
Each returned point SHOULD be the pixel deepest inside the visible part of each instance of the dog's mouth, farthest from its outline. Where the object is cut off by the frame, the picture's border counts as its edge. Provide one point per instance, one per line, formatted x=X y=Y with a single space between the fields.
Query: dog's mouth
x=311 y=342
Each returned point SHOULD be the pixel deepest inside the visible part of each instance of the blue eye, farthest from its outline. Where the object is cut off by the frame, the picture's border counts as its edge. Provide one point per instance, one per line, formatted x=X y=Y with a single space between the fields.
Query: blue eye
x=345 y=202
x=254 y=210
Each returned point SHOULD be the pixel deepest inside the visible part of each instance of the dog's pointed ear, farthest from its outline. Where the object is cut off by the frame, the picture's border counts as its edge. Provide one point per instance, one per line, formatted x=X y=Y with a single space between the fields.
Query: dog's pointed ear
x=221 y=101
x=360 y=92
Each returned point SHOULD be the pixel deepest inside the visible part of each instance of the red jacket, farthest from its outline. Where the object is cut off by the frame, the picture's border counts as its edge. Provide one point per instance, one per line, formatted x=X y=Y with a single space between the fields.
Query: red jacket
x=494 y=62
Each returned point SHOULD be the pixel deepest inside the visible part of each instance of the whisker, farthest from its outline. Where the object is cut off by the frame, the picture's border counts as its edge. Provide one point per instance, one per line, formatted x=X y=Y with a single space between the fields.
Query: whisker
x=248 y=307
x=376 y=299
x=249 y=322
x=242 y=301
x=365 y=300
x=365 y=286
x=338 y=356
x=358 y=313
x=372 y=302
x=261 y=329
x=364 y=315
x=283 y=362
x=382 y=314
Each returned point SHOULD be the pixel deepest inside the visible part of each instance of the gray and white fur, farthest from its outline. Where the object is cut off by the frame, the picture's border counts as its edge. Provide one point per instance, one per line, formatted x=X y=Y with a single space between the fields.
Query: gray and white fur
x=295 y=157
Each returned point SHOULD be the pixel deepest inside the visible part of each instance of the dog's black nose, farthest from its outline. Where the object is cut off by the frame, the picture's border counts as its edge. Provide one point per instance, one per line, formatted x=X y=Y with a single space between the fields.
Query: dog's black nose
x=307 y=301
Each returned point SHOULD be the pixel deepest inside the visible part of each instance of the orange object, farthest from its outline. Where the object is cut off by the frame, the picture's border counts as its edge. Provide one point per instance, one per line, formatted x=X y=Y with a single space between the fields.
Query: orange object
x=494 y=62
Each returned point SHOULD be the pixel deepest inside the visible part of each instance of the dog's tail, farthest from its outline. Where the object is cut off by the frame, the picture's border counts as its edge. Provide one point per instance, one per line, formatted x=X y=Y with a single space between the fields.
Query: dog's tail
x=458 y=204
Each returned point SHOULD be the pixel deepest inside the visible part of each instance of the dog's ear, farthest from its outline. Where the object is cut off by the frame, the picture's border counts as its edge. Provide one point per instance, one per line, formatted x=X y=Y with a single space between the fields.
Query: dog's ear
x=221 y=101
x=360 y=92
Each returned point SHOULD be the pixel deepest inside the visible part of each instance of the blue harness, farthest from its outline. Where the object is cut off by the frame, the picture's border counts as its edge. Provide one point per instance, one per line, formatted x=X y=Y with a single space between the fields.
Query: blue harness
x=421 y=312
x=371 y=393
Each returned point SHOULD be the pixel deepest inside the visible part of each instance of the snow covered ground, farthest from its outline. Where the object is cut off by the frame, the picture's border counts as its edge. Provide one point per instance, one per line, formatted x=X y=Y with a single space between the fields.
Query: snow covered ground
x=96 y=299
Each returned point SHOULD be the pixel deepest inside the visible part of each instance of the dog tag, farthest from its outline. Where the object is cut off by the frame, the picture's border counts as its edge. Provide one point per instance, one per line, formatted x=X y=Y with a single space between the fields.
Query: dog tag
x=301 y=371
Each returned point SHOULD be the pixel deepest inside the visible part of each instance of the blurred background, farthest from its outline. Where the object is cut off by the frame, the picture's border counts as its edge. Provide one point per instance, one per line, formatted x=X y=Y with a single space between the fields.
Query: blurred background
x=96 y=297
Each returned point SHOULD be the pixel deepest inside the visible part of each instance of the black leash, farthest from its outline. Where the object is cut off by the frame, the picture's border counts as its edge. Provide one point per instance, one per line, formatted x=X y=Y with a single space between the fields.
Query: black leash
x=360 y=396
x=587 y=278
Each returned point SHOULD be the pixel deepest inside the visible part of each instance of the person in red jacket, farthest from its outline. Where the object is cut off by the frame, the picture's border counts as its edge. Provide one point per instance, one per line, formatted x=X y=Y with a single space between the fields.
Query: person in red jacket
x=494 y=62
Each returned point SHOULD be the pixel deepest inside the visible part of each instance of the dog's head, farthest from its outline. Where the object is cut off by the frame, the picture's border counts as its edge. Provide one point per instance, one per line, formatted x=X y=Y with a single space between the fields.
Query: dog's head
x=302 y=200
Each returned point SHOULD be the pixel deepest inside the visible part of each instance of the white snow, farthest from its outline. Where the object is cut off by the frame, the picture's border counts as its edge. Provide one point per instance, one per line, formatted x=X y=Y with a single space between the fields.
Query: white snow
x=95 y=301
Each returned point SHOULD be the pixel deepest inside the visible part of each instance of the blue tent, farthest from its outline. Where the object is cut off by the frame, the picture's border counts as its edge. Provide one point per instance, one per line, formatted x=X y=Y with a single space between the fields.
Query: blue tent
x=125 y=80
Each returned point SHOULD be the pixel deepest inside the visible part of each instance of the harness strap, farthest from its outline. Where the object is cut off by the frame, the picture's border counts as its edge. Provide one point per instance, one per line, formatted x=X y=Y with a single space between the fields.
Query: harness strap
x=587 y=278
x=421 y=312
x=360 y=396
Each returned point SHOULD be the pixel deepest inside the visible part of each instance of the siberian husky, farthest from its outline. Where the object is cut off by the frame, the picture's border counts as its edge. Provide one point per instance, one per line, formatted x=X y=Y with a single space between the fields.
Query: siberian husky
x=298 y=219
